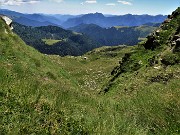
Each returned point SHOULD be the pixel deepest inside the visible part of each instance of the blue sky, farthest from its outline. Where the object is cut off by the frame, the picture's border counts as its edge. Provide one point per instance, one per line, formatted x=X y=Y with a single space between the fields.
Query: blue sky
x=117 y=7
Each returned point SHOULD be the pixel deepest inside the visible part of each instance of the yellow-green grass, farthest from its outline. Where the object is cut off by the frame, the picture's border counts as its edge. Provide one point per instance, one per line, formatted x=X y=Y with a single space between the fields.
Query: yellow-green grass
x=76 y=33
x=50 y=41
x=119 y=27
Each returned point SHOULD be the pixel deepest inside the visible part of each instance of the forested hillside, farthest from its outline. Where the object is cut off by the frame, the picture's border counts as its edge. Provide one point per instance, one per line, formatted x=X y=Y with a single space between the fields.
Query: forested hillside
x=56 y=40
x=116 y=35
x=66 y=42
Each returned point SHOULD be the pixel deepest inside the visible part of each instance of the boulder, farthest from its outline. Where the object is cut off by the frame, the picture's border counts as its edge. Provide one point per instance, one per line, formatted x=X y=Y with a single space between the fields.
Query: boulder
x=151 y=43
x=167 y=20
x=7 y=20
x=157 y=32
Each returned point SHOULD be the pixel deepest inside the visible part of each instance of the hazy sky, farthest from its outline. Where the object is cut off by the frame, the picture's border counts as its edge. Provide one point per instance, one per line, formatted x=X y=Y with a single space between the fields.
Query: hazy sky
x=117 y=7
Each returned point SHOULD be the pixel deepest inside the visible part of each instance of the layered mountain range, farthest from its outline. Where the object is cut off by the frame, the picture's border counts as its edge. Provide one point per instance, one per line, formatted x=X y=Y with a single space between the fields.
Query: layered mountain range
x=67 y=21
x=123 y=20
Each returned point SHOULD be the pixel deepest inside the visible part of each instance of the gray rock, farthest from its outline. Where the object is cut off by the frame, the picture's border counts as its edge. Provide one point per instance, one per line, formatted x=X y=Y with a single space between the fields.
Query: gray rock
x=176 y=37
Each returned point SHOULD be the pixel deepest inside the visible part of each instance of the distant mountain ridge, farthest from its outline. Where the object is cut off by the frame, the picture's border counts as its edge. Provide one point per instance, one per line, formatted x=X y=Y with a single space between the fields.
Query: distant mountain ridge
x=123 y=20
x=67 y=21
x=34 y=20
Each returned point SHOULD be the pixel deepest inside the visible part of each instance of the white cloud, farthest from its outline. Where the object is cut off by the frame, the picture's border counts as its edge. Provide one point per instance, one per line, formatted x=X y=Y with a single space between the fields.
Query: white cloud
x=20 y=2
x=91 y=1
x=17 y=2
x=58 y=1
x=124 y=2
x=111 y=4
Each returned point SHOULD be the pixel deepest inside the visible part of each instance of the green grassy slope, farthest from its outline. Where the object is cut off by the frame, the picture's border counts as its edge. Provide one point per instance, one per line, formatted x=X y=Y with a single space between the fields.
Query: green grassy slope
x=147 y=80
x=41 y=94
x=34 y=91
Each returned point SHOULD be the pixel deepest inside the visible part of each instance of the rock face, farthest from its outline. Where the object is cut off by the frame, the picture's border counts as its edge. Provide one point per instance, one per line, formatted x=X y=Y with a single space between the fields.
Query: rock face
x=159 y=37
x=176 y=41
x=151 y=43
x=7 y=20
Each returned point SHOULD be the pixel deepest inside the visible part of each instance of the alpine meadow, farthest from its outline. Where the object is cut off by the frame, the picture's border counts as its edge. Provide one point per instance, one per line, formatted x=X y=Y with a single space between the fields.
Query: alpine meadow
x=89 y=74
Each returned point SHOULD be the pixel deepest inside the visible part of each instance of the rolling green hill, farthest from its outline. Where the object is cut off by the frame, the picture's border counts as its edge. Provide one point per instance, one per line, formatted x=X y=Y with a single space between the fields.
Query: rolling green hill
x=110 y=90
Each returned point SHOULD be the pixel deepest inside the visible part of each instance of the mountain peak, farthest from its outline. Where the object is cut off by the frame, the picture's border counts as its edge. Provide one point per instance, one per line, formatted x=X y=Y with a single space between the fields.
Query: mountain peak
x=95 y=14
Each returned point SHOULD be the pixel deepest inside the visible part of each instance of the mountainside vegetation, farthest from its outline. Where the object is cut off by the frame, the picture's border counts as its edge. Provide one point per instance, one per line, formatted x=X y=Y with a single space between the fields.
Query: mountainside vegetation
x=67 y=42
x=108 y=91
x=117 y=35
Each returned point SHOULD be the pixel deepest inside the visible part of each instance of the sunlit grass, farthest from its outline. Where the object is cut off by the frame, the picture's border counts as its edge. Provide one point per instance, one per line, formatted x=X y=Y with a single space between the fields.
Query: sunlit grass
x=51 y=41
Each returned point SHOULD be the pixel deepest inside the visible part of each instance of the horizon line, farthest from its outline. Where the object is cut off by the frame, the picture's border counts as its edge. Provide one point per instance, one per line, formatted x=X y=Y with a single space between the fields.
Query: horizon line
x=80 y=14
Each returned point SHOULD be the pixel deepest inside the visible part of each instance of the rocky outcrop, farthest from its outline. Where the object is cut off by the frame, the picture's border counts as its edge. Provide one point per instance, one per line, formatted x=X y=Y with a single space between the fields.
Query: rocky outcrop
x=175 y=43
x=153 y=40
x=7 y=20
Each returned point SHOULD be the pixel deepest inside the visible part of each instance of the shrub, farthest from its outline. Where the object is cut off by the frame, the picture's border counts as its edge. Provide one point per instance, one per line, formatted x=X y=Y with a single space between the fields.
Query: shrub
x=170 y=59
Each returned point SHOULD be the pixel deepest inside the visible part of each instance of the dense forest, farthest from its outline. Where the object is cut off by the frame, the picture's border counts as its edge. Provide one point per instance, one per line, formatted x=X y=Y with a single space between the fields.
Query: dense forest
x=116 y=35
x=68 y=43
x=65 y=42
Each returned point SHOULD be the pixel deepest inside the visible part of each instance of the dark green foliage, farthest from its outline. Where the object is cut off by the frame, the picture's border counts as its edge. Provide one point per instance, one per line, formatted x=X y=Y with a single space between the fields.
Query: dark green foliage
x=152 y=61
x=170 y=59
x=164 y=78
x=69 y=44
x=114 y=35
x=51 y=75
x=57 y=31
